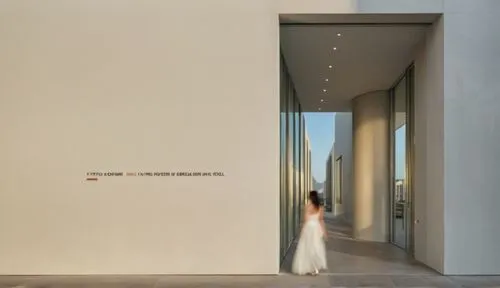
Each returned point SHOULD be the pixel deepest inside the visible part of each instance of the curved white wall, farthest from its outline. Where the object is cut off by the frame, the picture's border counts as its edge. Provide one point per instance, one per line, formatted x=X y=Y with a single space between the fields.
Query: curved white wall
x=371 y=116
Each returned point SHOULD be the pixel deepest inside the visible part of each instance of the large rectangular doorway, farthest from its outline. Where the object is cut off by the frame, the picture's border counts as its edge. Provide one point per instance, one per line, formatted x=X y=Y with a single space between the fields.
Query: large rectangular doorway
x=327 y=81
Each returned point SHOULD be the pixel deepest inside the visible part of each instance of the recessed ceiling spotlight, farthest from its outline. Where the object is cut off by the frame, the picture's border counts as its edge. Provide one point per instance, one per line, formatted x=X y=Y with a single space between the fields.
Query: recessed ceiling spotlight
x=322 y=100
x=326 y=80
x=338 y=34
x=319 y=109
x=324 y=90
x=334 y=48
x=330 y=66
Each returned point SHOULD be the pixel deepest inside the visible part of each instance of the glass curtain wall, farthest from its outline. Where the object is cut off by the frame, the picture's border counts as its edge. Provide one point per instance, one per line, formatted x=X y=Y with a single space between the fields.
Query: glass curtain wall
x=302 y=168
x=402 y=163
x=294 y=161
x=283 y=157
x=309 y=168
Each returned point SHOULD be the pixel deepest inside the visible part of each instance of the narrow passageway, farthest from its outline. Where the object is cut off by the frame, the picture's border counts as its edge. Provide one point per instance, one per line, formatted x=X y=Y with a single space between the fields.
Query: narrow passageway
x=348 y=256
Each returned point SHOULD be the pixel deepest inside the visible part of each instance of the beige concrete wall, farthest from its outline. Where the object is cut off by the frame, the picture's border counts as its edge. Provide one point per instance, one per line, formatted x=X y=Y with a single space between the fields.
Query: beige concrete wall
x=370 y=150
x=138 y=86
x=429 y=135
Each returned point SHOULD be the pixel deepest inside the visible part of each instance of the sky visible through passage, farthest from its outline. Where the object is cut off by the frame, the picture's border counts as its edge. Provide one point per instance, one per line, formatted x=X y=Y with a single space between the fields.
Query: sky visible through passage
x=321 y=130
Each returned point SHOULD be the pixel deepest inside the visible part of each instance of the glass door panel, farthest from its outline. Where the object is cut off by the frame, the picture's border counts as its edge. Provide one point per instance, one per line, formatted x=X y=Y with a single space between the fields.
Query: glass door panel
x=400 y=183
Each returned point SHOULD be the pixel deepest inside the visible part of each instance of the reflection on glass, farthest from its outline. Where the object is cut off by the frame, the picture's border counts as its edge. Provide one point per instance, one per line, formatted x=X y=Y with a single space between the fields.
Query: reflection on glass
x=399 y=232
x=295 y=174
x=282 y=159
x=296 y=165
x=290 y=166
x=302 y=167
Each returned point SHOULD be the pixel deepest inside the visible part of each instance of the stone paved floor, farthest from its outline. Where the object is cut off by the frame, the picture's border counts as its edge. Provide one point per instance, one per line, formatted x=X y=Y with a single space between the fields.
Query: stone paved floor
x=351 y=264
x=281 y=281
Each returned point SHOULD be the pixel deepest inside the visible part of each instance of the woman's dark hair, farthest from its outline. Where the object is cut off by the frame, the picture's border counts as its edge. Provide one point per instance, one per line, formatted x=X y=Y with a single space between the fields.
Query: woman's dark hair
x=314 y=198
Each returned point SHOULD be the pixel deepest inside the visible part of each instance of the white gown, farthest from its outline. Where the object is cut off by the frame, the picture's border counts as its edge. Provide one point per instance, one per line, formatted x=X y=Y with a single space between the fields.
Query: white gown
x=310 y=255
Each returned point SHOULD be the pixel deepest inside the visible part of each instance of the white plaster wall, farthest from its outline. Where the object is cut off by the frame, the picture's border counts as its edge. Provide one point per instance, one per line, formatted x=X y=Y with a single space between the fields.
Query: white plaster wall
x=338 y=208
x=472 y=137
x=139 y=85
x=429 y=131
x=145 y=85
x=343 y=147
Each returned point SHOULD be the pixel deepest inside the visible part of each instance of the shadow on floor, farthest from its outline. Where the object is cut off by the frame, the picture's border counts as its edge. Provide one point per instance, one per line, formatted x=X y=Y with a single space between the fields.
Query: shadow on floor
x=349 y=256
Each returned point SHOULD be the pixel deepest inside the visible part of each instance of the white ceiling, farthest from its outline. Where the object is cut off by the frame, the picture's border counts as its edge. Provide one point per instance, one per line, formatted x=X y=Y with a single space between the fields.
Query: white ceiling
x=368 y=58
